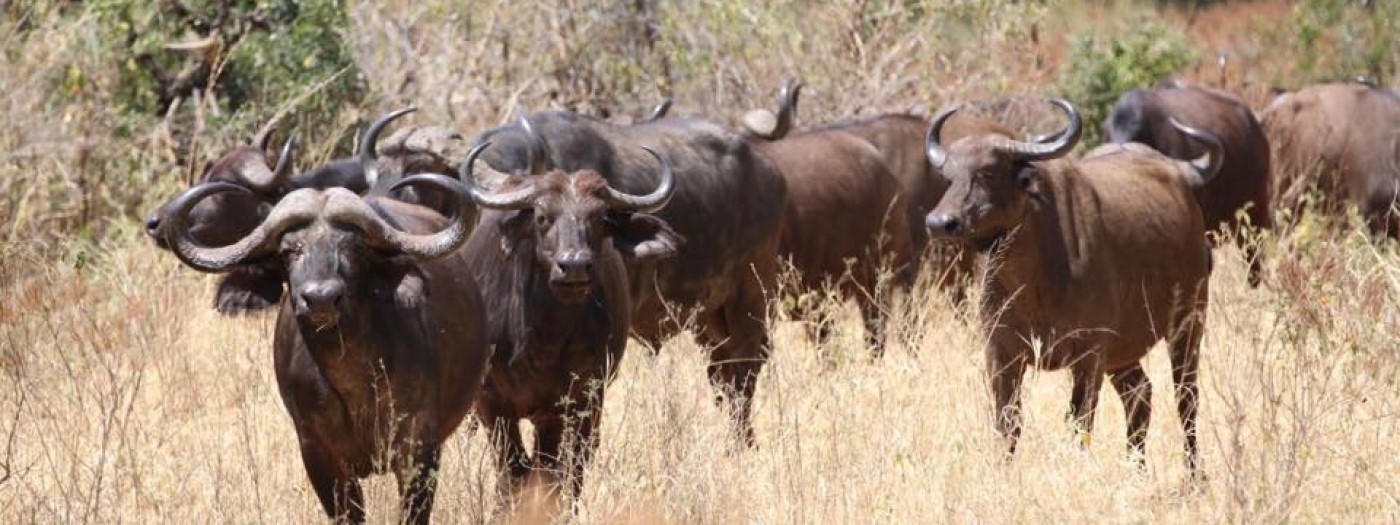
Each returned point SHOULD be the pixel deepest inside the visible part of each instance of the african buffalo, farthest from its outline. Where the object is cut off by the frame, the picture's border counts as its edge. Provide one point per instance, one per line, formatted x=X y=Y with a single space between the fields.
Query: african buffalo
x=899 y=137
x=226 y=217
x=557 y=292
x=845 y=224
x=1144 y=116
x=728 y=206
x=1090 y=263
x=380 y=345
x=1341 y=139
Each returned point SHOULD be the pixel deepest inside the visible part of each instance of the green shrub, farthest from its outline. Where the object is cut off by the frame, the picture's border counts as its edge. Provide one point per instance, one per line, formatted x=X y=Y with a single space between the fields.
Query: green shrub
x=272 y=52
x=1336 y=39
x=1100 y=69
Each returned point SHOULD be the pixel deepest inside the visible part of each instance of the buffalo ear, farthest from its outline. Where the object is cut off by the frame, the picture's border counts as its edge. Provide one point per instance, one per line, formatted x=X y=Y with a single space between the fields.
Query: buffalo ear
x=247 y=290
x=515 y=228
x=643 y=236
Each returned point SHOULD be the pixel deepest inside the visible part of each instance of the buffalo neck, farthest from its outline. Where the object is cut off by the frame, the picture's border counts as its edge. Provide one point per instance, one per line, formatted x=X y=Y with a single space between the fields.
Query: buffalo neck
x=368 y=345
x=1032 y=265
x=532 y=316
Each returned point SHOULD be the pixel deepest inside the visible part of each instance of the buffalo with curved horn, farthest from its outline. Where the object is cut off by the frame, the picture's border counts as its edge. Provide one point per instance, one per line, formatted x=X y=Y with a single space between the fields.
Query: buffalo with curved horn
x=726 y=204
x=375 y=370
x=225 y=217
x=1097 y=258
x=557 y=288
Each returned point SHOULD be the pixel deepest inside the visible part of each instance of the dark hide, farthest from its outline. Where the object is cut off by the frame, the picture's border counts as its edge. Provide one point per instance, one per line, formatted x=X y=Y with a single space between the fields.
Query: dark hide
x=559 y=335
x=727 y=205
x=385 y=382
x=845 y=223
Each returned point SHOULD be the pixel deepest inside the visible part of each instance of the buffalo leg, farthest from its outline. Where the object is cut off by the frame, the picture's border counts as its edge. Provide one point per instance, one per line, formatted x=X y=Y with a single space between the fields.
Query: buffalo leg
x=549 y=444
x=875 y=324
x=1136 y=392
x=576 y=432
x=1006 y=370
x=511 y=458
x=739 y=337
x=1084 y=397
x=336 y=487
x=418 y=484
x=1186 y=361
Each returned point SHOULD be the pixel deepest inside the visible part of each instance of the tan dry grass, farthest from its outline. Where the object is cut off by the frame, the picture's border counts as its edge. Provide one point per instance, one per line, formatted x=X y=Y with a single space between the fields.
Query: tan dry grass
x=126 y=399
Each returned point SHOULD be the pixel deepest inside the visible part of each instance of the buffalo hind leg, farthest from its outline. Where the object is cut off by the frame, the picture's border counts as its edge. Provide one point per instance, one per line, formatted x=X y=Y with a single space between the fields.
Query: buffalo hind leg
x=418 y=484
x=335 y=485
x=1088 y=375
x=1186 y=362
x=1136 y=392
x=1005 y=371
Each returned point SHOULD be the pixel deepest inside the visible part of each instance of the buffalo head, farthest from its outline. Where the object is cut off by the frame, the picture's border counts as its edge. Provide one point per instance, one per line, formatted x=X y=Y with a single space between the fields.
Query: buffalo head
x=225 y=217
x=568 y=217
x=992 y=179
x=336 y=251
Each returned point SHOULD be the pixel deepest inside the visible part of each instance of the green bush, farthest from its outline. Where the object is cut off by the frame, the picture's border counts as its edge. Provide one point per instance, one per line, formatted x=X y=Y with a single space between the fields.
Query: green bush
x=271 y=52
x=1100 y=69
x=1336 y=39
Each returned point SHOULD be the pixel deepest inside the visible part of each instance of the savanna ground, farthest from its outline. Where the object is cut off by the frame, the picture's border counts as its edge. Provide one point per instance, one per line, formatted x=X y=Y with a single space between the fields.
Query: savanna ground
x=125 y=398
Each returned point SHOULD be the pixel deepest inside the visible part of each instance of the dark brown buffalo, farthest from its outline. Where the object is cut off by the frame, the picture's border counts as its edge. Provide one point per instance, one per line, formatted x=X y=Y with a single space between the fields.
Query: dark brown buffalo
x=1344 y=141
x=899 y=137
x=1091 y=262
x=727 y=206
x=557 y=292
x=1144 y=116
x=844 y=227
x=227 y=217
x=380 y=346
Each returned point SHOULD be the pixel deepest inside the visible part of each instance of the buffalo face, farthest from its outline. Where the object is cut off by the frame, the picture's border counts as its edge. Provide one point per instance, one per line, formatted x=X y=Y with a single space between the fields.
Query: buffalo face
x=330 y=246
x=568 y=217
x=988 y=194
x=993 y=179
x=224 y=218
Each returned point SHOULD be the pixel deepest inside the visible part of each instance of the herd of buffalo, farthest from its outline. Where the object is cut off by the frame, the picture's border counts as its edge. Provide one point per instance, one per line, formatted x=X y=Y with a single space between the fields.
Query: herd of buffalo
x=434 y=277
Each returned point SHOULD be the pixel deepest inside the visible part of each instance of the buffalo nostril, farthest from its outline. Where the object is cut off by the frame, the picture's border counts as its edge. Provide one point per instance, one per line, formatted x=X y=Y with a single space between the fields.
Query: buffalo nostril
x=942 y=222
x=572 y=268
x=322 y=295
x=152 y=225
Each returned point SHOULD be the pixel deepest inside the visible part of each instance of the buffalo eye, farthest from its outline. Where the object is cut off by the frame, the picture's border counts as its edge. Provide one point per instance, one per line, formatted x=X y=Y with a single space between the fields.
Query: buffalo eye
x=543 y=221
x=1024 y=177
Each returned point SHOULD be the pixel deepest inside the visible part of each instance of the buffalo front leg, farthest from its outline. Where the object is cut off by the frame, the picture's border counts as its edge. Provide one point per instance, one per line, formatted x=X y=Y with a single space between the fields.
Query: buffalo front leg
x=511 y=459
x=418 y=484
x=1088 y=375
x=1005 y=370
x=566 y=445
x=738 y=336
x=1136 y=392
x=335 y=485
x=874 y=312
